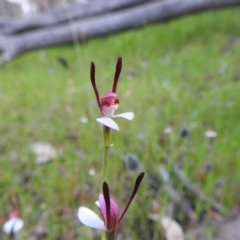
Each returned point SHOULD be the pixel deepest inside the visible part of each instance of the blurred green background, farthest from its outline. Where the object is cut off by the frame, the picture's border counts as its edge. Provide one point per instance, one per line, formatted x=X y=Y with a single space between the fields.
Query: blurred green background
x=182 y=73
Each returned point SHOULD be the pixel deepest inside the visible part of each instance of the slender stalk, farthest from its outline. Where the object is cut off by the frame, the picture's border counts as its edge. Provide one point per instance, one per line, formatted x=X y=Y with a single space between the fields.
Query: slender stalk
x=107 y=143
x=103 y=236
x=110 y=236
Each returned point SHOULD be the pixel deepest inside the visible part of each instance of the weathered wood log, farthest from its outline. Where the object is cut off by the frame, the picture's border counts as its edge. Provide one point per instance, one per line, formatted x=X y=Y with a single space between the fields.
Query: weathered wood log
x=68 y=14
x=102 y=25
x=5 y=23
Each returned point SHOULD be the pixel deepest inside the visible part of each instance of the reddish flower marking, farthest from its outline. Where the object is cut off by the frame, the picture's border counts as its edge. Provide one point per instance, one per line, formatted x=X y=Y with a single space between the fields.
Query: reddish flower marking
x=110 y=99
x=109 y=103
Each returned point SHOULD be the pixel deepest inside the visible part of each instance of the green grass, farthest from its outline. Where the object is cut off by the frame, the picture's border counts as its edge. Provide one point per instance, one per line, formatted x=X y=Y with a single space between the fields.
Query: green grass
x=184 y=73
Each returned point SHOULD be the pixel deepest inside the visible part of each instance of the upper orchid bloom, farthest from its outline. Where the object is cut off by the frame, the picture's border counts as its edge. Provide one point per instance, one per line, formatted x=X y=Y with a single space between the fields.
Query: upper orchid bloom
x=109 y=104
x=14 y=224
x=108 y=208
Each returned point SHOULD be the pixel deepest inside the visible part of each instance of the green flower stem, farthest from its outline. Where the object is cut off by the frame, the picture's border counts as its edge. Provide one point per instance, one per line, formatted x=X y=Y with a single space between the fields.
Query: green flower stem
x=110 y=236
x=103 y=236
x=107 y=144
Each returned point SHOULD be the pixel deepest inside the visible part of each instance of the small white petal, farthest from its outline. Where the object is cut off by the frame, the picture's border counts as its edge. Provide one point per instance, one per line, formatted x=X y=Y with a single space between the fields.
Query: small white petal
x=83 y=119
x=90 y=218
x=128 y=115
x=108 y=122
x=173 y=230
x=168 y=130
x=13 y=225
x=211 y=133
x=92 y=171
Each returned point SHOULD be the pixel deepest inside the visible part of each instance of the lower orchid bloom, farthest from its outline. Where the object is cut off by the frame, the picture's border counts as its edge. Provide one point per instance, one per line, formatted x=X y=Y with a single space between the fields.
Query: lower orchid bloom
x=108 y=208
x=109 y=104
x=14 y=224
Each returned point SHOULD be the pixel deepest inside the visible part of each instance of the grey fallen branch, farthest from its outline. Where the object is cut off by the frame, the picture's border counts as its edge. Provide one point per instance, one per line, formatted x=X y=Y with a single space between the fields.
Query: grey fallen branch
x=6 y=22
x=193 y=188
x=102 y=25
x=65 y=15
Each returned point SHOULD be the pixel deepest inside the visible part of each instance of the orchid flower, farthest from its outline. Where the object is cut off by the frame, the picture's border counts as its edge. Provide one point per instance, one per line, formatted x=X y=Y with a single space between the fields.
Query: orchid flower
x=109 y=104
x=14 y=224
x=108 y=208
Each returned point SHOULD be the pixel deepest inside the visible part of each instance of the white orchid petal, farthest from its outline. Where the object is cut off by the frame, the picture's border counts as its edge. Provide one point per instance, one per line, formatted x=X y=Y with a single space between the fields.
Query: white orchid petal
x=13 y=225
x=97 y=203
x=108 y=122
x=90 y=218
x=128 y=115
